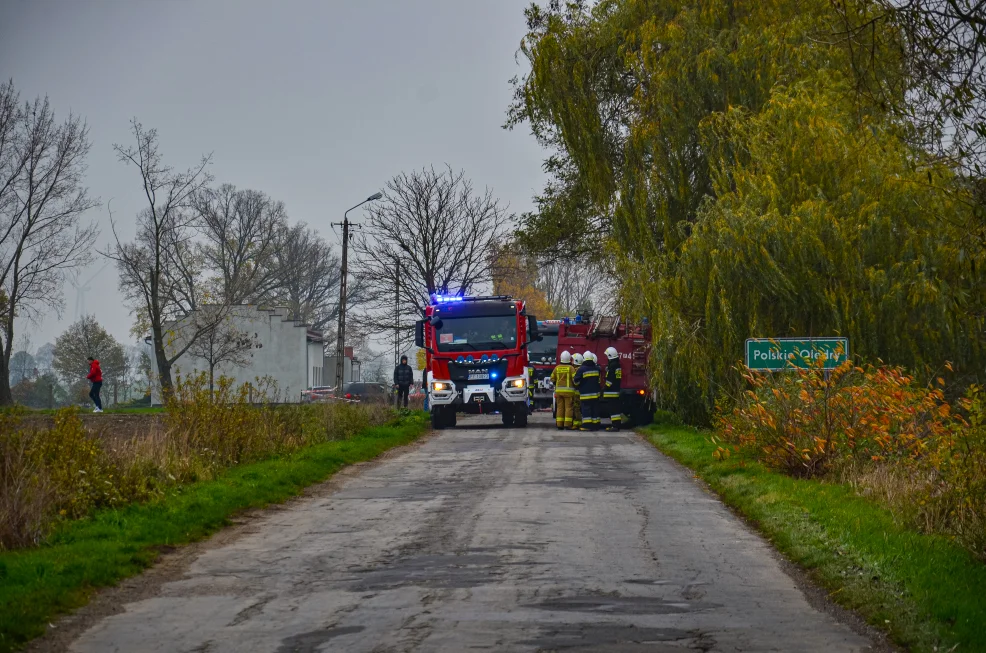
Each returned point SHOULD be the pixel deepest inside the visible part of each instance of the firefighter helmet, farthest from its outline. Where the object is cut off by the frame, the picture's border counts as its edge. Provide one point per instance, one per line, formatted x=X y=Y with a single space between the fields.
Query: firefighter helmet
x=577 y=359
x=589 y=356
x=566 y=357
x=611 y=353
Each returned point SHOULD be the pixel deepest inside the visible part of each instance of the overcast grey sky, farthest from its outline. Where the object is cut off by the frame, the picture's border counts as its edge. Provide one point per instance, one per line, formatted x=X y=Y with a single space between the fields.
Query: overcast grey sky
x=317 y=103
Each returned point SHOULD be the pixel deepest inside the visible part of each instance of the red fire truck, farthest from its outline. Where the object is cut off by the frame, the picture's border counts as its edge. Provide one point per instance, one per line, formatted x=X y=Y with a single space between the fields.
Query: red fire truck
x=476 y=358
x=632 y=341
x=542 y=357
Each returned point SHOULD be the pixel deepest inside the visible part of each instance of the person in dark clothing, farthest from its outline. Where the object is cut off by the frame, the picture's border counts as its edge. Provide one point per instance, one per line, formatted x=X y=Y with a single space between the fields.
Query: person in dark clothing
x=588 y=382
x=403 y=378
x=96 y=377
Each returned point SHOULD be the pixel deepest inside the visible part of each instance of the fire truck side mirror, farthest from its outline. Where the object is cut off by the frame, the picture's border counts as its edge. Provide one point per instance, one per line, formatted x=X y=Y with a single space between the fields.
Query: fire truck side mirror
x=419 y=334
x=436 y=323
x=532 y=327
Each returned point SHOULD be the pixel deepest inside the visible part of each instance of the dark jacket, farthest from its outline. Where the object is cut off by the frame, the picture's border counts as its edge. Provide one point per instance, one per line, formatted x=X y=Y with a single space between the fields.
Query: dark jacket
x=403 y=374
x=587 y=381
x=614 y=376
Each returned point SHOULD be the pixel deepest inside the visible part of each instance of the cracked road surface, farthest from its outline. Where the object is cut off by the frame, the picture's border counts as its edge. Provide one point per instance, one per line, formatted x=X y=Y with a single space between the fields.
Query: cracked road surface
x=488 y=538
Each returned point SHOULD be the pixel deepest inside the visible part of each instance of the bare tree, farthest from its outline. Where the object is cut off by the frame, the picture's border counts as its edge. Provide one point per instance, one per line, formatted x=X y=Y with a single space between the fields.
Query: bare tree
x=431 y=233
x=131 y=371
x=161 y=274
x=242 y=229
x=42 y=200
x=308 y=274
x=572 y=286
x=221 y=343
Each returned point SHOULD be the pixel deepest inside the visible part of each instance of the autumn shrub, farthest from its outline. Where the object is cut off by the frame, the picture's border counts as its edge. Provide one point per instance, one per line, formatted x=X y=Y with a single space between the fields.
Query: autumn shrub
x=25 y=494
x=806 y=421
x=877 y=429
x=957 y=501
x=67 y=471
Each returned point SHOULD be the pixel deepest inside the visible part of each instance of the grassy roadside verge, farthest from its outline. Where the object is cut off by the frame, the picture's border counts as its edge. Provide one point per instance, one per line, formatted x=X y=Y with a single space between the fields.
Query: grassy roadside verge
x=927 y=592
x=37 y=584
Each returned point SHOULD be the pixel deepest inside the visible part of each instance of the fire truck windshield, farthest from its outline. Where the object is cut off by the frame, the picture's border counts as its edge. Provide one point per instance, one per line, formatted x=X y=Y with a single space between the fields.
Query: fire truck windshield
x=477 y=333
x=545 y=350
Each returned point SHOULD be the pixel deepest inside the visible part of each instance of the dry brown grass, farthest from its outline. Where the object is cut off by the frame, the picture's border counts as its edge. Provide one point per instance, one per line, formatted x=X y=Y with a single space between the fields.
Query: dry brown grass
x=65 y=470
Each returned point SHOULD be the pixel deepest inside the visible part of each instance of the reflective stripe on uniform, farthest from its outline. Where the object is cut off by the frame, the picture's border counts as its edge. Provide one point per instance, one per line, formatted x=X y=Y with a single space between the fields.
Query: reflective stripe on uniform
x=611 y=395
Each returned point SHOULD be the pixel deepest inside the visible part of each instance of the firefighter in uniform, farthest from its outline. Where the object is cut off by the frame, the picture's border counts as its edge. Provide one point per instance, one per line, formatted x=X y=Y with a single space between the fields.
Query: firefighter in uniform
x=588 y=382
x=611 y=389
x=531 y=382
x=576 y=402
x=562 y=378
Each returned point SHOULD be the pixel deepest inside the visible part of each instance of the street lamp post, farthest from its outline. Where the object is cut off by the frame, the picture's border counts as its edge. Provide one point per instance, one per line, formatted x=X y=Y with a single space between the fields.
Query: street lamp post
x=341 y=340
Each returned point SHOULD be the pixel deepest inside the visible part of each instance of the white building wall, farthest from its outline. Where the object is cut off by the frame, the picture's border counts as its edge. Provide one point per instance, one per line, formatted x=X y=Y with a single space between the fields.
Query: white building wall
x=281 y=351
x=316 y=360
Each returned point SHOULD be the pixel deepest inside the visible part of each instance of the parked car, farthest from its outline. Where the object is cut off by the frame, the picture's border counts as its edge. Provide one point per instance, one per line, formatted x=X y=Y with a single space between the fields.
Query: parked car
x=317 y=393
x=368 y=392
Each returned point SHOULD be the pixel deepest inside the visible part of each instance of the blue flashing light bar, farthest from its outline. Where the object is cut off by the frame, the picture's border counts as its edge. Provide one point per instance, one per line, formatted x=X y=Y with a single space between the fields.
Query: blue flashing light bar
x=447 y=299
x=443 y=299
x=492 y=375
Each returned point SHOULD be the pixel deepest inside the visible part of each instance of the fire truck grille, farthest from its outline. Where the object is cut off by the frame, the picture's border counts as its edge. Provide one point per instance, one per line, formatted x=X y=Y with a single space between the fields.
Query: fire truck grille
x=478 y=373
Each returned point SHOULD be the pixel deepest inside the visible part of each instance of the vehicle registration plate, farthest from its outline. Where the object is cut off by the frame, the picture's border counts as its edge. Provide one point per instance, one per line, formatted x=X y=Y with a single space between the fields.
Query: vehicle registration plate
x=479 y=376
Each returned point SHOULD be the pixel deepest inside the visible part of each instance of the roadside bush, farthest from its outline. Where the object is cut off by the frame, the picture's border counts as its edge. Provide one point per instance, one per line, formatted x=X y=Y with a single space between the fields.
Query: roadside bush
x=804 y=422
x=958 y=500
x=25 y=494
x=67 y=471
x=667 y=418
x=876 y=429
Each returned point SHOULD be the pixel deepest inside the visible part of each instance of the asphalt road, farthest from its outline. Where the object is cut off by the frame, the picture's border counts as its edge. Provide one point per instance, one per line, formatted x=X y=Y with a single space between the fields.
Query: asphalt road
x=487 y=538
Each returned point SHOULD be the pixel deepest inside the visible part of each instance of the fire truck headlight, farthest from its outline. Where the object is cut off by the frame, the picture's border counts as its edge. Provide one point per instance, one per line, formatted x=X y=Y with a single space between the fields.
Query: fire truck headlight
x=517 y=383
x=438 y=387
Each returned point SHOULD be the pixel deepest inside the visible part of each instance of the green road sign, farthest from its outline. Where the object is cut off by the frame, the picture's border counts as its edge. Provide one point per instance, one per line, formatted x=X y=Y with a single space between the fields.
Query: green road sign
x=795 y=353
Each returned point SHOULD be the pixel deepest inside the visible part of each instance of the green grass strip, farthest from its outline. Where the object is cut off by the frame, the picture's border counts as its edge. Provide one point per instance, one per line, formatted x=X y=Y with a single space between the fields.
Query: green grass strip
x=927 y=592
x=38 y=584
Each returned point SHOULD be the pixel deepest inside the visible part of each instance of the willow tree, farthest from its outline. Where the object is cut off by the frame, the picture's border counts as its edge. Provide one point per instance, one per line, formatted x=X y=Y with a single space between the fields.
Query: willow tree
x=743 y=194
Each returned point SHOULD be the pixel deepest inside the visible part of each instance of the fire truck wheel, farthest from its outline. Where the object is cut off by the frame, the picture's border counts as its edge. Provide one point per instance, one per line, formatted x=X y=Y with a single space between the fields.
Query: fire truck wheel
x=450 y=417
x=507 y=417
x=438 y=418
x=641 y=416
x=521 y=419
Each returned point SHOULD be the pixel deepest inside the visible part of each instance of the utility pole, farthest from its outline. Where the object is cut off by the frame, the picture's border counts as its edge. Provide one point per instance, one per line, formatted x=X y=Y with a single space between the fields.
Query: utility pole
x=341 y=339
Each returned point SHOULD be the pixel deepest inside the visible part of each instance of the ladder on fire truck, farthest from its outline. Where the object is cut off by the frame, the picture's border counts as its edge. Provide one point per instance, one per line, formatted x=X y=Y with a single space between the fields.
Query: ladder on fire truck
x=604 y=325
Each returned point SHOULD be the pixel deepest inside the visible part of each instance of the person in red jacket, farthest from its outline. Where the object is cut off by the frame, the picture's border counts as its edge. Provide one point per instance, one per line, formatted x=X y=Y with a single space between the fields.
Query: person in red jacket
x=96 y=377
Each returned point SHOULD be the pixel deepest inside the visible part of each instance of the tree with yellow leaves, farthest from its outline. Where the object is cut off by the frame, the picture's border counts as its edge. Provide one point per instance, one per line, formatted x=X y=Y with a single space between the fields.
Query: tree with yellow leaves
x=517 y=276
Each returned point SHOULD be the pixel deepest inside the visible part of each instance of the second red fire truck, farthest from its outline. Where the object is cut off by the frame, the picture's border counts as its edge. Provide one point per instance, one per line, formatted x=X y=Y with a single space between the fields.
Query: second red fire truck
x=632 y=341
